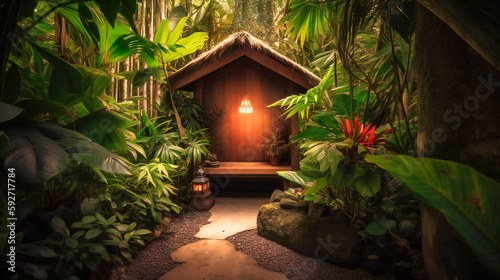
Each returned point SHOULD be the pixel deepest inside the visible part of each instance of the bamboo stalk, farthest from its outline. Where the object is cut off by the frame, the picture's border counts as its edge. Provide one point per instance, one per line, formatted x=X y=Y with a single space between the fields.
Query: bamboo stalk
x=143 y=31
x=151 y=22
x=126 y=67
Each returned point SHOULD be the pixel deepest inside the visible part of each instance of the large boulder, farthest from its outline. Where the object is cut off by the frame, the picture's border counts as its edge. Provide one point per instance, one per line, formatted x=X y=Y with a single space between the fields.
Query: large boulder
x=327 y=238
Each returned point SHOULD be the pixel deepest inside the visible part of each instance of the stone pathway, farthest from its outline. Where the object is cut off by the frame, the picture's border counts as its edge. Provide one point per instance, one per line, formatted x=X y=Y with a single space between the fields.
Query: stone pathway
x=214 y=258
x=231 y=215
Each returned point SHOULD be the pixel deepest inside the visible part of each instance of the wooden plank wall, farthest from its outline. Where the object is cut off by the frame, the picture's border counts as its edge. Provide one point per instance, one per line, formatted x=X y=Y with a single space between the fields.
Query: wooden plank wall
x=239 y=133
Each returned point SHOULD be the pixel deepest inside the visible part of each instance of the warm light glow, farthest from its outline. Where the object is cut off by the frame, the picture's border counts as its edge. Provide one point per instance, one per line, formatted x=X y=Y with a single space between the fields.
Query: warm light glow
x=200 y=187
x=246 y=107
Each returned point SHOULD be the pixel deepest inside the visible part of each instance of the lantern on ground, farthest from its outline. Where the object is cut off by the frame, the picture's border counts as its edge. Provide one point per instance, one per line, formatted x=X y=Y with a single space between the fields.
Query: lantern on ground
x=200 y=199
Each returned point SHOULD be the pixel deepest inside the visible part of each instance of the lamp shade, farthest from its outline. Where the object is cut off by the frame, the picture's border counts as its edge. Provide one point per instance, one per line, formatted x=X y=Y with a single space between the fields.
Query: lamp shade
x=245 y=107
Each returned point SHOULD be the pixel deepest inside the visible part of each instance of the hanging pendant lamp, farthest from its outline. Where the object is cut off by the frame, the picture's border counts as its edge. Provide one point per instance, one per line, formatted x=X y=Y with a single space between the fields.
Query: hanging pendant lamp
x=246 y=106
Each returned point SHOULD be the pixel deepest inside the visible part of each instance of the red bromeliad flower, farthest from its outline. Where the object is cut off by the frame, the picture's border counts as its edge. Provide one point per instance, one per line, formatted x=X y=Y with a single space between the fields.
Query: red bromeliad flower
x=361 y=135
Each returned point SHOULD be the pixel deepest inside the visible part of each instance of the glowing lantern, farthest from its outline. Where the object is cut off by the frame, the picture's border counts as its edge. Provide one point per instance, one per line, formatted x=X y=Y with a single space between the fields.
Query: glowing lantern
x=201 y=200
x=245 y=107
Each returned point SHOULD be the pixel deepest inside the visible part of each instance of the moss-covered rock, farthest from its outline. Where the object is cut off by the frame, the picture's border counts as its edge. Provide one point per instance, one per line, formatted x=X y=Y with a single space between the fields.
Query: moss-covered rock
x=287 y=203
x=328 y=238
x=277 y=195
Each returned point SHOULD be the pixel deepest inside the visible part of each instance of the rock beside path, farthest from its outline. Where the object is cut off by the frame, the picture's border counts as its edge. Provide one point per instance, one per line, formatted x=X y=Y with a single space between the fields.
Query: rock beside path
x=328 y=238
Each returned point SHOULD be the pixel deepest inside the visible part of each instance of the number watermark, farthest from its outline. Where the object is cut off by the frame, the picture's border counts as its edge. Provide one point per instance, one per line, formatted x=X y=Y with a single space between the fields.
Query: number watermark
x=11 y=218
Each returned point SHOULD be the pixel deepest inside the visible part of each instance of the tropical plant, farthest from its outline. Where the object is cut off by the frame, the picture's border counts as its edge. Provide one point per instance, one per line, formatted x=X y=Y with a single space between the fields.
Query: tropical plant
x=164 y=147
x=44 y=150
x=57 y=117
x=359 y=138
x=295 y=194
x=372 y=42
x=273 y=144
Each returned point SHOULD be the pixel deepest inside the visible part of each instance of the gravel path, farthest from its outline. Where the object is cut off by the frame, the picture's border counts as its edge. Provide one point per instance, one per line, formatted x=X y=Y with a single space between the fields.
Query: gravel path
x=154 y=260
x=275 y=257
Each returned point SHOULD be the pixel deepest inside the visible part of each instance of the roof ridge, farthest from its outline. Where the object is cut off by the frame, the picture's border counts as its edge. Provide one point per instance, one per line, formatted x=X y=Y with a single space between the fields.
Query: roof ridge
x=244 y=39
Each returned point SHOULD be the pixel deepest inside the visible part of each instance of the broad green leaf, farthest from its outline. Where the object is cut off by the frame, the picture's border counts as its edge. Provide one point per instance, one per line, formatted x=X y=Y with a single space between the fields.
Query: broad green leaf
x=297 y=177
x=59 y=226
x=65 y=78
x=101 y=251
x=106 y=128
x=90 y=206
x=38 y=156
x=33 y=107
x=109 y=35
x=319 y=185
x=8 y=112
x=127 y=10
x=142 y=231
x=344 y=176
x=70 y=13
x=136 y=147
x=100 y=217
x=162 y=32
x=114 y=231
x=127 y=45
x=176 y=32
x=141 y=77
x=55 y=131
x=72 y=243
x=122 y=227
x=93 y=233
x=109 y=8
x=368 y=183
x=380 y=227
x=468 y=199
x=34 y=250
x=88 y=22
x=88 y=219
x=94 y=155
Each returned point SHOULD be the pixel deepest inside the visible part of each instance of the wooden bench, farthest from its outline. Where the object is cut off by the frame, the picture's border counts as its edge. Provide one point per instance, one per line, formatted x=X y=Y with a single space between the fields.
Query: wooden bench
x=249 y=169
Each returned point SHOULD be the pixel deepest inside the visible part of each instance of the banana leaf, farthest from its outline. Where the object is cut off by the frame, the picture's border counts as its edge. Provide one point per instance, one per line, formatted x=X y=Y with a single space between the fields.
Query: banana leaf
x=94 y=155
x=468 y=199
x=34 y=154
x=8 y=112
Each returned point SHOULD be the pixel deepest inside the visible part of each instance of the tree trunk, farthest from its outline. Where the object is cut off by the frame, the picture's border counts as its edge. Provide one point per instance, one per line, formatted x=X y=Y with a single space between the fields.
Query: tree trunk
x=475 y=21
x=458 y=121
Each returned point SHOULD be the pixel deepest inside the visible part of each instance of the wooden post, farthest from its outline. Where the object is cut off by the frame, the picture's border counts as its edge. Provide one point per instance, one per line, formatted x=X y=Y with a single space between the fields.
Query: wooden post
x=294 y=130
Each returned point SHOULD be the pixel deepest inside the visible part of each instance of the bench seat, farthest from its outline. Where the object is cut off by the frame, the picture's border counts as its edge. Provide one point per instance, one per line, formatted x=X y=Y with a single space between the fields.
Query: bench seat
x=249 y=169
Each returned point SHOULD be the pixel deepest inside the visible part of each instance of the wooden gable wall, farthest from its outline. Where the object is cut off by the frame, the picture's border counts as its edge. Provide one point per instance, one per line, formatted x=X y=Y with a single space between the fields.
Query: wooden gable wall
x=238 y=134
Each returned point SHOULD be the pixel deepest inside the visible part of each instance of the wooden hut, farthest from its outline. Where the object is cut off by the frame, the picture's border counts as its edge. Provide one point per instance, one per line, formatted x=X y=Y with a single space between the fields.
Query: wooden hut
x=243 y=67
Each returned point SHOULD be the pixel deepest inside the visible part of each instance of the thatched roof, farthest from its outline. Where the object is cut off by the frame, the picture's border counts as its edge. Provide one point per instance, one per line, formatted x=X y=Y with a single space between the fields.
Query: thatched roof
x=242 y=40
